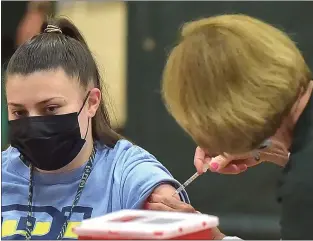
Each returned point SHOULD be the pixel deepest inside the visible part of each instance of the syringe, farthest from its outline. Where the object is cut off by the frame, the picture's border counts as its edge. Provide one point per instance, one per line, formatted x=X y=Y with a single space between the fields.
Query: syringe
x=265 y=144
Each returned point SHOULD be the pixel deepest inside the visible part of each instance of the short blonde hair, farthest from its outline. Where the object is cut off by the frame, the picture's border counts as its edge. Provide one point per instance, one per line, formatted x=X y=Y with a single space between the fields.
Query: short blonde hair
x=230 y=81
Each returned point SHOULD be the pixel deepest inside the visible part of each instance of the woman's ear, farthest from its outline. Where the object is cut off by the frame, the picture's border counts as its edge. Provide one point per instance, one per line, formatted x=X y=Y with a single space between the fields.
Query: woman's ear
x=301 y=102
x=94 y=101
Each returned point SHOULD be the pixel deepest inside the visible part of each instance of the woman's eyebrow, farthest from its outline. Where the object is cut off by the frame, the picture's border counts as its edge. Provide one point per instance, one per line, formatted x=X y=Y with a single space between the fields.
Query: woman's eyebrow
x=15 y=104
x=50 y=99
x=39 y=103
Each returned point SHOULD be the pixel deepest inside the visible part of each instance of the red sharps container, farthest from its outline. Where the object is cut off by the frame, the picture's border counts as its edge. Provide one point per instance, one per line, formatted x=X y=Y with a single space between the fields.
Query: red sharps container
x=146 y=224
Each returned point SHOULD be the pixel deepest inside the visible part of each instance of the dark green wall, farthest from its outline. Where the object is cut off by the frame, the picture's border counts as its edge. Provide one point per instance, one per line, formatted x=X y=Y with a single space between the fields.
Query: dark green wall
x=246 y=203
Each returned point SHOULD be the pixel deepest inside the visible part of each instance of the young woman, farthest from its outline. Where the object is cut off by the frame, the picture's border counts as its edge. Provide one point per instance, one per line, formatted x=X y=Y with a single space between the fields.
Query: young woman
x=65 y=163
x=232 y=82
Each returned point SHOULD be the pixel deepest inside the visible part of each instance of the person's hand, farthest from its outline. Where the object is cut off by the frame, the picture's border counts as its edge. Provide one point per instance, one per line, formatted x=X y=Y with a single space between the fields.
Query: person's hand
x=29 y=27
x=224 y=164
x=168 y=203
x=274 y=151
x=163 y=203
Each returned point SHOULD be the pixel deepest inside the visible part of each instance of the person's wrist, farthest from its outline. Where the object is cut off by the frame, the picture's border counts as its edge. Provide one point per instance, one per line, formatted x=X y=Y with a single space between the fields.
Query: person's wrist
x=220 y=236
x=217 y=234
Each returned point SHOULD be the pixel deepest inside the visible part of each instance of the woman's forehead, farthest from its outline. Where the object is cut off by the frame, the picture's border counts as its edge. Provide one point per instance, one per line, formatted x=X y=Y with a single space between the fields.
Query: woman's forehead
x=41 y=85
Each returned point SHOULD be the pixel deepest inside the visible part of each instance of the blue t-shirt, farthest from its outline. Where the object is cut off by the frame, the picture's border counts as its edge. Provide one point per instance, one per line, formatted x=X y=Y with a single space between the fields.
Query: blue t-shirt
x=123 y=177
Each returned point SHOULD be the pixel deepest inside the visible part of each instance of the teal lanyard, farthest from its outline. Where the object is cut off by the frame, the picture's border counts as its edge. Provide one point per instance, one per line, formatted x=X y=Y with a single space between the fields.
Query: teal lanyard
x=86 y=173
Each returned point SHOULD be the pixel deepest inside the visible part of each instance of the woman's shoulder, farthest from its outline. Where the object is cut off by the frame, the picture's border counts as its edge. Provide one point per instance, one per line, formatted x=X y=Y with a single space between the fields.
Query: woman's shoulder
x=123 y=154
x=123 y=149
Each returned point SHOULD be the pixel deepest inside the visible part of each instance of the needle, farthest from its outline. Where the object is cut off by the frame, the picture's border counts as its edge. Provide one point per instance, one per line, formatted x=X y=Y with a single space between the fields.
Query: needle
x=190 y=180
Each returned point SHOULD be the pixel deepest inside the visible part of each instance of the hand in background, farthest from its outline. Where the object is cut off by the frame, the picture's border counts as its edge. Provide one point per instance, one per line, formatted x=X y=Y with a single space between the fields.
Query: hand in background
x=32 y=21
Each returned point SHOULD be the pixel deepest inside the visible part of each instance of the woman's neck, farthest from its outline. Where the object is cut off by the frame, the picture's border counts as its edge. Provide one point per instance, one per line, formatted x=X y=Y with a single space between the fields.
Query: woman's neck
x=78 y=161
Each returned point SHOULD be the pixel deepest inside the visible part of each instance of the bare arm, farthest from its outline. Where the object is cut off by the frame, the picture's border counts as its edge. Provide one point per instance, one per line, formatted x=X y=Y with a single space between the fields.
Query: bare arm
x=166 y=190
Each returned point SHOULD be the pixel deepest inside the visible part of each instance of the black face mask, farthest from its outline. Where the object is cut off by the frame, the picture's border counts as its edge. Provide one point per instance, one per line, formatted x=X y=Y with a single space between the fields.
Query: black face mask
x=48 y=142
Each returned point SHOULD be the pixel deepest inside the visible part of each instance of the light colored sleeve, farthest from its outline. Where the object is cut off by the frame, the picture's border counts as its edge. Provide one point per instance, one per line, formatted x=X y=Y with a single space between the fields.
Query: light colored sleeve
x=142 y=173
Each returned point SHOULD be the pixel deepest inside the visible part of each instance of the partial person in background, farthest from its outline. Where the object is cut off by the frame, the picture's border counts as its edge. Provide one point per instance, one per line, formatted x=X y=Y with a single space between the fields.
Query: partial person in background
x=21 y=20
x=233 y=82
x=65 y=162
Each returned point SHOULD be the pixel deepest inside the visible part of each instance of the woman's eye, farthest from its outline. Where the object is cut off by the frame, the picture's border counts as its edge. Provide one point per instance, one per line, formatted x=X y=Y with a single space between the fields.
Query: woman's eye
x=19 y=113
x=51 y=109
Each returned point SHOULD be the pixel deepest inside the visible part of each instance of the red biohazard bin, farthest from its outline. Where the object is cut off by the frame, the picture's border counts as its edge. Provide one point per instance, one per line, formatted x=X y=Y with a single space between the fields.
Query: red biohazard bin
x=146 y=224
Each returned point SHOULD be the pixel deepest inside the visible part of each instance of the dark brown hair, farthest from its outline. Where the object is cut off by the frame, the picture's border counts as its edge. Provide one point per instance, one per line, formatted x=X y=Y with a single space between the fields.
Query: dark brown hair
x=67 y=50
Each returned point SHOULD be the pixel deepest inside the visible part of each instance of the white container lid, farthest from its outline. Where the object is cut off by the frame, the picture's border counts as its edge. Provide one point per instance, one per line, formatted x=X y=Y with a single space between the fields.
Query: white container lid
x=146 y=224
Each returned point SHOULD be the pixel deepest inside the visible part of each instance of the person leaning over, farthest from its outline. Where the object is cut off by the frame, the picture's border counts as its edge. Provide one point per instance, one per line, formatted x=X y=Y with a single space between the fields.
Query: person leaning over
x=231 y=83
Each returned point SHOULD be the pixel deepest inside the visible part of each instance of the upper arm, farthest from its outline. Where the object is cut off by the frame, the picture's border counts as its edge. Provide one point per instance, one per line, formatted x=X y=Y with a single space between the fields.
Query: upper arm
x=142 y=175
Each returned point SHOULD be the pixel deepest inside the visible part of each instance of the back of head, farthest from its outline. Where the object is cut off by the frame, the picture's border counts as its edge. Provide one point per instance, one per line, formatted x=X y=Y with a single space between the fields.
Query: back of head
x=60 y=45
x=230 y=81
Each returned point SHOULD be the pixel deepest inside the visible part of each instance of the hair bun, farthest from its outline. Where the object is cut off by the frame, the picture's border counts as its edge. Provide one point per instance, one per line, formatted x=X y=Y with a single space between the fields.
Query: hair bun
x=52 y=29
